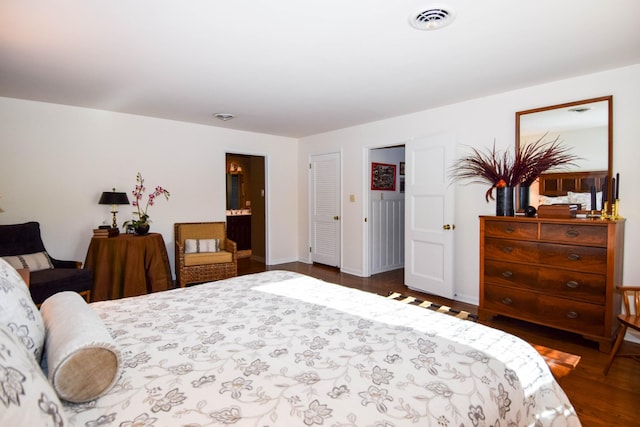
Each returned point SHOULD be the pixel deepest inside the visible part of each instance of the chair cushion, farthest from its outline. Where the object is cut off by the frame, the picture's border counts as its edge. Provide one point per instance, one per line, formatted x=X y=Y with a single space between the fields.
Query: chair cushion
x=207 y=258
x=16 y=239
x=45 y=283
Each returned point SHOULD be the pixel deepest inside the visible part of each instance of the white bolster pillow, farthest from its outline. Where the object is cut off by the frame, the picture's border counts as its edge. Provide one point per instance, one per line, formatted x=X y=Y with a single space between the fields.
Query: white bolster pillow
x=82 y=358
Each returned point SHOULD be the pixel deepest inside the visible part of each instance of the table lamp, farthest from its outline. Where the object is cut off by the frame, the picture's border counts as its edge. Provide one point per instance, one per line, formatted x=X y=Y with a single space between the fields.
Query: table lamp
x=113 y=198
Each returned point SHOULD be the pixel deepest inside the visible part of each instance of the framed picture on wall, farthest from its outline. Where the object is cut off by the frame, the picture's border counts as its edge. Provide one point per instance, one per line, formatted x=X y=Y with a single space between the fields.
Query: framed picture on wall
x=383 y=177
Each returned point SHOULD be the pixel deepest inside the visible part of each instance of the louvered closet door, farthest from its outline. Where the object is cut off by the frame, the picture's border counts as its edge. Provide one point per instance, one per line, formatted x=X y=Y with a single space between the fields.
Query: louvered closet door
x=325 y=209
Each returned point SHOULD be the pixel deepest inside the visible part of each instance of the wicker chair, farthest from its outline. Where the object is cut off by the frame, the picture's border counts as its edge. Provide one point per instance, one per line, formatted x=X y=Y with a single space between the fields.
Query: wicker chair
x=198 y=267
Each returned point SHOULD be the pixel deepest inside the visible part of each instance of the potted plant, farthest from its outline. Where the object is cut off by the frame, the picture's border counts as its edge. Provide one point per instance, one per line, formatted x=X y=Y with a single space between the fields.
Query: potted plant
x=504 y=171
x=141 y=225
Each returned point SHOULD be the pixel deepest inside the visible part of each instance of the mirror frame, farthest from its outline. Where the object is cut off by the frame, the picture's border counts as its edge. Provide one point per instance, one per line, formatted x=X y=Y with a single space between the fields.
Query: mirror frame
x=608 y=99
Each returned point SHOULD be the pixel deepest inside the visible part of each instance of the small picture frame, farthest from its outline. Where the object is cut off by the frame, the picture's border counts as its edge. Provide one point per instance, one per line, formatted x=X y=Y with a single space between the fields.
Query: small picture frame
x=383 y=177
x=401 y=168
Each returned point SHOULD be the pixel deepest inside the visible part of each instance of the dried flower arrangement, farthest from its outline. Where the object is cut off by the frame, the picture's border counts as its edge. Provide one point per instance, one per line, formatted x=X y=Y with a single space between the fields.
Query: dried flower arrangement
x=504 y=170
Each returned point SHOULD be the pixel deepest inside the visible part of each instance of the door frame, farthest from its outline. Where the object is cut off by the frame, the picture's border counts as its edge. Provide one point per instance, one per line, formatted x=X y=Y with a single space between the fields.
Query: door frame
x=366 y=200
x=267 y=199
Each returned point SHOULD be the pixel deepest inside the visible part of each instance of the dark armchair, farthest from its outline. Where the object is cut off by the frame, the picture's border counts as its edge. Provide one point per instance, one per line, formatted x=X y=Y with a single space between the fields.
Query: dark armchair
x=25 y=239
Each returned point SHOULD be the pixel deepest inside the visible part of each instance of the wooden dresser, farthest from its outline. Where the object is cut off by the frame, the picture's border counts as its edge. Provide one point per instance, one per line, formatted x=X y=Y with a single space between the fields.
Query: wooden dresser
x=560 y=273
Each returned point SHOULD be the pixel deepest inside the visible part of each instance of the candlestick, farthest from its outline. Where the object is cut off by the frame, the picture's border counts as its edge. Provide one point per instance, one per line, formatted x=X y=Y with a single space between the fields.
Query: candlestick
x=613 y=191
x=603 y=212
x=617 y=186
x=604 y=191
x=593 y=198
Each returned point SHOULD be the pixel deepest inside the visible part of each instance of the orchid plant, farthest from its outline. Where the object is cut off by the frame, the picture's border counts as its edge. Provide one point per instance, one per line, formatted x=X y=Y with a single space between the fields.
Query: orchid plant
x=138 y=193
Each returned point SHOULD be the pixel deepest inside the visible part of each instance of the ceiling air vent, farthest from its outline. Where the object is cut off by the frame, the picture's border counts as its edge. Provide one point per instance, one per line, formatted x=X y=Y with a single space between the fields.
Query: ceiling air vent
x=432 y=18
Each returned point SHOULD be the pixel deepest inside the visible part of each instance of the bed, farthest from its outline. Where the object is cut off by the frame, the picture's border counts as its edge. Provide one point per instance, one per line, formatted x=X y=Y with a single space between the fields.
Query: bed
x=571 y=188
x=283 y=349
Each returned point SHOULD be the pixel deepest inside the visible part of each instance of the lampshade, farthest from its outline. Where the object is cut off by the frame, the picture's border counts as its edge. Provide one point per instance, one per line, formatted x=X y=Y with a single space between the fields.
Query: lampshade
x=113 y=198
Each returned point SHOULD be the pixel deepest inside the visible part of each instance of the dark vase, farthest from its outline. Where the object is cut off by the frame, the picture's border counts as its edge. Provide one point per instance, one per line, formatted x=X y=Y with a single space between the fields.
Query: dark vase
x=523 y=195
x=141 y=229
x=504 y=201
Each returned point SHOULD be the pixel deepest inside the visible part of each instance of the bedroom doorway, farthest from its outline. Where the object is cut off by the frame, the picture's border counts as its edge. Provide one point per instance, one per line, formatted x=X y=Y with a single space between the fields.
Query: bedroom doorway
x=246 y=204
x=386 y=210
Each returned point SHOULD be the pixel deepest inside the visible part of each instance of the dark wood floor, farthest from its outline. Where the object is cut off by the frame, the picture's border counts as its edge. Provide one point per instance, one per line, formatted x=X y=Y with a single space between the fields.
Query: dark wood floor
x=599 y=400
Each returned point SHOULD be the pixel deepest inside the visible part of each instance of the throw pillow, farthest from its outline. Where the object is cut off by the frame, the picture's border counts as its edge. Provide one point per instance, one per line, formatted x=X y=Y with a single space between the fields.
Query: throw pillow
x=209 y=245
x=584 y=199
x=34 y=262
x=82 y=358
x=26 y=395
x=196 y=246
x=547 y=200
x=18 y=312
x=191 y=246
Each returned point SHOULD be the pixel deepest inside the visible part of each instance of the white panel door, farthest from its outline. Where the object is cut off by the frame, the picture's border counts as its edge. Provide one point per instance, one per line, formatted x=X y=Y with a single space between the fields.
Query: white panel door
x=325 y=209
x=429 y=215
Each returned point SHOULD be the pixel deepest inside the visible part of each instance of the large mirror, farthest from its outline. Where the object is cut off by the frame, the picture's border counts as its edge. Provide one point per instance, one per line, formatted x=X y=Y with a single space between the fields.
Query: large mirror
x=586 y=127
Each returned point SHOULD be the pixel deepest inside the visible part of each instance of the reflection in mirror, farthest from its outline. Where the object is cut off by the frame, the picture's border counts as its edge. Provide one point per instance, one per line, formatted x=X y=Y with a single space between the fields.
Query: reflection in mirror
x=584 y=126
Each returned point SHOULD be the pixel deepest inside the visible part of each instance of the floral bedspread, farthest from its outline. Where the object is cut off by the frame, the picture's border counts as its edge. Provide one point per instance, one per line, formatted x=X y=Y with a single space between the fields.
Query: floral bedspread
x=283 y=349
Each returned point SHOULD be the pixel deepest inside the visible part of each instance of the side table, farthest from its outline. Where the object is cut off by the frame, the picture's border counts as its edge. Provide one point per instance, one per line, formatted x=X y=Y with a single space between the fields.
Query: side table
x=128 y=265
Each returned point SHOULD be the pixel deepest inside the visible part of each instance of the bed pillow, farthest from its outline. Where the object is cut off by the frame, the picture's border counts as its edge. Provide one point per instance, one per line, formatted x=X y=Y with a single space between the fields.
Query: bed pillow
x=546 y=200
x=26 y=395
x=18 y=312
x=83 y=361
x=196 y=246
x=584 y=199
x=34 y=262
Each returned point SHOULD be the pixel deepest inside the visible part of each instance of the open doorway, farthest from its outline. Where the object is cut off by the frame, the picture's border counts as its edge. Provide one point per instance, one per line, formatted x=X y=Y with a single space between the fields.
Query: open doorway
x=246 y=206
x=386 y=210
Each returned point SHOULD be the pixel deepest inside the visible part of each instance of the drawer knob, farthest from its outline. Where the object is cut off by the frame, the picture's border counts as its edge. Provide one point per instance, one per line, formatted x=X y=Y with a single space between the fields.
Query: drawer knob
x=572 y=315
x=572 y=284
x=507 y=274
x=573 y=257
x=509 y=230
x=507 y=301
x=507 y=249
x=572 y=233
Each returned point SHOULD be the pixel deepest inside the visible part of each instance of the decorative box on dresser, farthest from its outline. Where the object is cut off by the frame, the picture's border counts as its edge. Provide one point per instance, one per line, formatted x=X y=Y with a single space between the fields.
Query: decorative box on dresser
x=555 y=272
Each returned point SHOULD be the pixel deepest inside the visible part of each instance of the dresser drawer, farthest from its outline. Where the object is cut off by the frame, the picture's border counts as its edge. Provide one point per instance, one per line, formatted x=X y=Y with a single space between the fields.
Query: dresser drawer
x=511 y=229
x=580 y=258
x=570 y=315
x=509 y=274
x=550 y=281
x=574 y=234
x=573 y=284
x=510 y=250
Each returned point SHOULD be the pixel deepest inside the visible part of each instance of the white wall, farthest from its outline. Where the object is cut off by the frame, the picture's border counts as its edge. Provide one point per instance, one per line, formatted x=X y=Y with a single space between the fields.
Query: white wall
x=56 y=160
x=479 y=123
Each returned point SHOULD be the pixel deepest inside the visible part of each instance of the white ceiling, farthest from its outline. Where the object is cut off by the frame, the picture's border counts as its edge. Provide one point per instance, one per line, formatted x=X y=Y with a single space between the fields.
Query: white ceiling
x=299 y=67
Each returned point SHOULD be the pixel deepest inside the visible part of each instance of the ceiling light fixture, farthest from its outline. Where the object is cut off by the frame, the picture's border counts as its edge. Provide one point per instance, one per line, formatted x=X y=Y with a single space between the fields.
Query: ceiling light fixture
x=224 y=116
x=433 y=18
